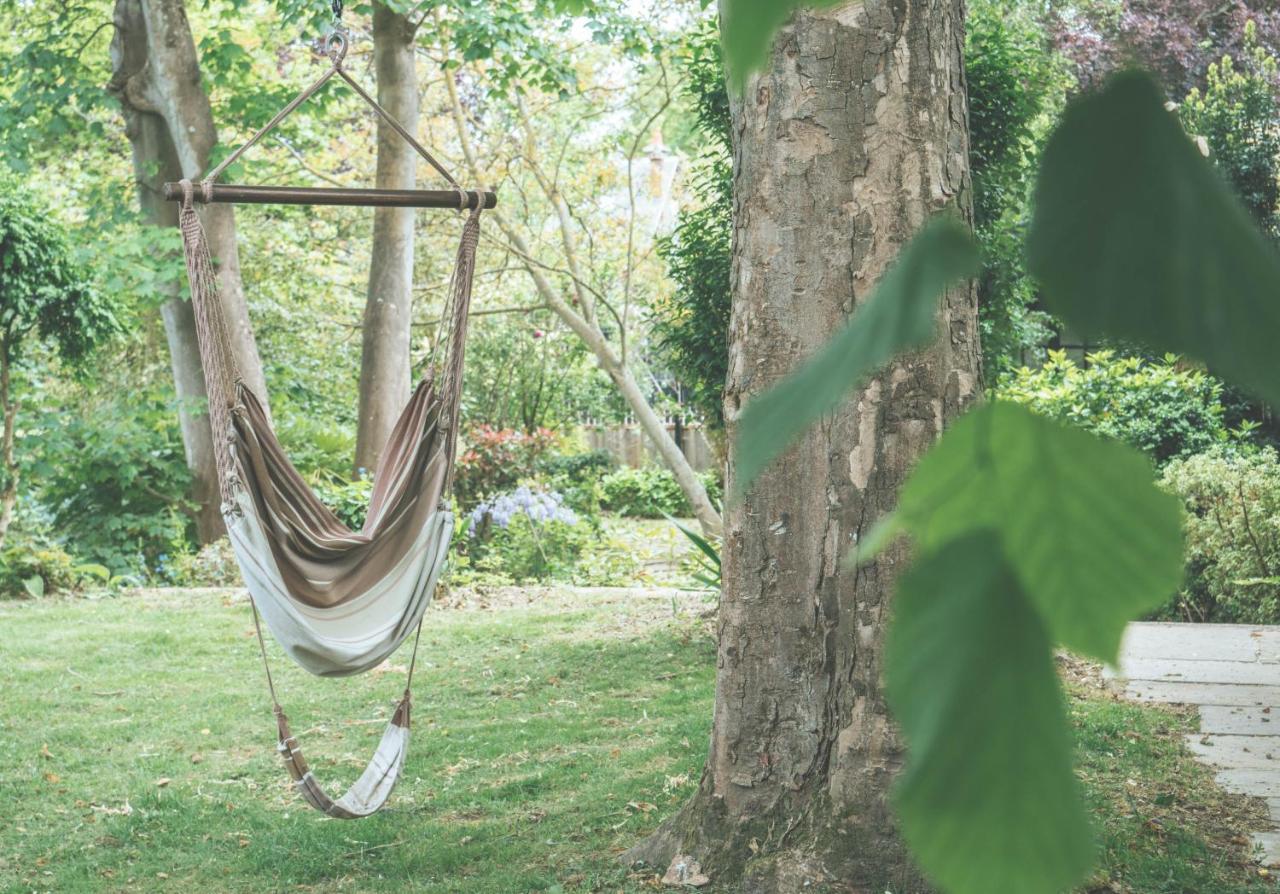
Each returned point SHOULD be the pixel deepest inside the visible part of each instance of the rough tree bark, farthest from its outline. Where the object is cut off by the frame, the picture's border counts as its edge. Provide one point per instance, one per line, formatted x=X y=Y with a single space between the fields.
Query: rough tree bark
x=855 y=134
x=168 y=85
x=384 y=363
x=155 y=160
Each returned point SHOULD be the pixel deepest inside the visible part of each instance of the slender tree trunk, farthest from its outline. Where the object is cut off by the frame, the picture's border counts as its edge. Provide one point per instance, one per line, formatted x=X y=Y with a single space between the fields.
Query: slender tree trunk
x=585 y=325
x=154 y=161
x=384 y=362
x=852 y=138
x=169 y=85
x=9 y=492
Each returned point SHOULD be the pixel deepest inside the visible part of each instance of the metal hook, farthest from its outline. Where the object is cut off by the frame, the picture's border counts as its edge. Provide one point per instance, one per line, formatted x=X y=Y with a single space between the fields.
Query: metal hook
x=335 y=46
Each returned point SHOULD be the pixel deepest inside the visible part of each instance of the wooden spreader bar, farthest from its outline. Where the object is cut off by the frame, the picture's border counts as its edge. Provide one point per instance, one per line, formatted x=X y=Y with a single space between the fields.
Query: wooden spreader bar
x=371 y=198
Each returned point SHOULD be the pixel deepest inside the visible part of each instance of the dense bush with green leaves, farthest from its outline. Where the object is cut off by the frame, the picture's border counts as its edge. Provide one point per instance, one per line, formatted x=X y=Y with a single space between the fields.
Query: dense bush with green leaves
x=650 y=492
x=33 y=565
x=690 y=326
x=527 y=535
x=114 y=480
x=213 y=565
x=1238 y=116
x=1161 y=408
x=526 y=371
x=493 y=460
x=1012 y=84
x=1232 y=529
x=349 y=500
x=577 y=476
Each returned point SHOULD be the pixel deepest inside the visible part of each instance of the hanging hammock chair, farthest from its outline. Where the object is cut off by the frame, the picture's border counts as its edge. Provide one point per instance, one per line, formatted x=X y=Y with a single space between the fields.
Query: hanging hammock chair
x=338 y=601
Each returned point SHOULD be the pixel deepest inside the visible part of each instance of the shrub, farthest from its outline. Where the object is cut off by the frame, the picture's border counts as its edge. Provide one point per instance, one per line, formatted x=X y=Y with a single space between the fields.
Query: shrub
x=1238 y=117
x=650 y=492
x=1160 y=408
x=1232 y=536
x=577 y=477
x=494 y=460
x=526 y=534
x=213 y=566
x=33 y=567
x=114 y=479
x=349 y=500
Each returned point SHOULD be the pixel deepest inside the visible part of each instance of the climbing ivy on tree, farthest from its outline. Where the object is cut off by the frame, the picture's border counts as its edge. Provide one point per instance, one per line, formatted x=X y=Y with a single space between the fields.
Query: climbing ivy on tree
x=1030 y=535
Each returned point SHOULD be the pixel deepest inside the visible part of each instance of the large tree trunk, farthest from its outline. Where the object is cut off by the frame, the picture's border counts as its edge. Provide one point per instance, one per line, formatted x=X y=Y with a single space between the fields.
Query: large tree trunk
x=850 y=140
x=384 y=362
x=155 y=160
x=168 y=85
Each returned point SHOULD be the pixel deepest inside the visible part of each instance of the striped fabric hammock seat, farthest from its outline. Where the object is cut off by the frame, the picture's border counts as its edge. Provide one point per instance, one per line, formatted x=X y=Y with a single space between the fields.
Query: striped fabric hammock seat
x=338 y=601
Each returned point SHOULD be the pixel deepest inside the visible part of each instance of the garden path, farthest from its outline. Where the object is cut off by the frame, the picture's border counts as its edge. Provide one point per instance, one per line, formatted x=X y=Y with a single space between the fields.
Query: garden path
x=1231 y=673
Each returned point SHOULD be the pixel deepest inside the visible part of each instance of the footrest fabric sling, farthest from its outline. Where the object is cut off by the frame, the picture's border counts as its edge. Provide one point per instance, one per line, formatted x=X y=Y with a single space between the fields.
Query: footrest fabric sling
x=338 y=601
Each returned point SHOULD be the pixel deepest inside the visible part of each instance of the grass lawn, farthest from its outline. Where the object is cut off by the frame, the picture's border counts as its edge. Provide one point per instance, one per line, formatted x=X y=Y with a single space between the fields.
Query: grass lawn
x=551 y=731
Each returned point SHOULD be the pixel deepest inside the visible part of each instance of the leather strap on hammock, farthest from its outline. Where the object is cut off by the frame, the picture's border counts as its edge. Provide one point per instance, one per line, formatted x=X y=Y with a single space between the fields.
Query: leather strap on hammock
x=223 y=383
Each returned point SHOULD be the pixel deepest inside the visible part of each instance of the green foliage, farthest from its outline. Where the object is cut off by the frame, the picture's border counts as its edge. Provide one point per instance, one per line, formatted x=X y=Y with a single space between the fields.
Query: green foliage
x=525 y=549
x=528 y=372
x=1135 y=236
x=42 y=288
x=706 y=559
x=1238 y=115
x=1006 y=70
x=33 y=565
x=494 y=460
x=1010 y=81
x=1162 y=408
x=748 y=28
x=1091 y=539
x=649 y=492
x=1232 y=502
x=213 y=565
x=690 y=328
x=113 y=478
x=349 y=500
x=577 y=476
x=987 y=801
x=900 y=314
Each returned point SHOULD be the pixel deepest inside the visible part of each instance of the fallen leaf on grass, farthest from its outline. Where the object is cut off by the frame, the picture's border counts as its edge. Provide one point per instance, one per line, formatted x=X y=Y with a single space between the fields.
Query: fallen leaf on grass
x=52 y=777
x=44 y=752
x=163 y=781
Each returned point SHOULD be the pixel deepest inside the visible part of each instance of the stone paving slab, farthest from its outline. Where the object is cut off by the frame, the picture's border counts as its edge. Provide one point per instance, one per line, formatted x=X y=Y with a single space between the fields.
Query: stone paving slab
x=1202 y=642
x=1239 y=720
x=1231 y=673
x=1188 y=693
x=1251 y=781
x=1237 y=752
x=1179 y=670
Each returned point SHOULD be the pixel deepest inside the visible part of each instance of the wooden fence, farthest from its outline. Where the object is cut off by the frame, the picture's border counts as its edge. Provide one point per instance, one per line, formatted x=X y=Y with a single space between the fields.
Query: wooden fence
x=630 y=446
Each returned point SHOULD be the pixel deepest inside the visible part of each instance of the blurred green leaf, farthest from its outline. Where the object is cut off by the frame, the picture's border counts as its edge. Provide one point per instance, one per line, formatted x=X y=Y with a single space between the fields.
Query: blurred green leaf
x=900 y=314
x=987 y=802
x=1092 y=540
x=1136 y=236
x=748 y=28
